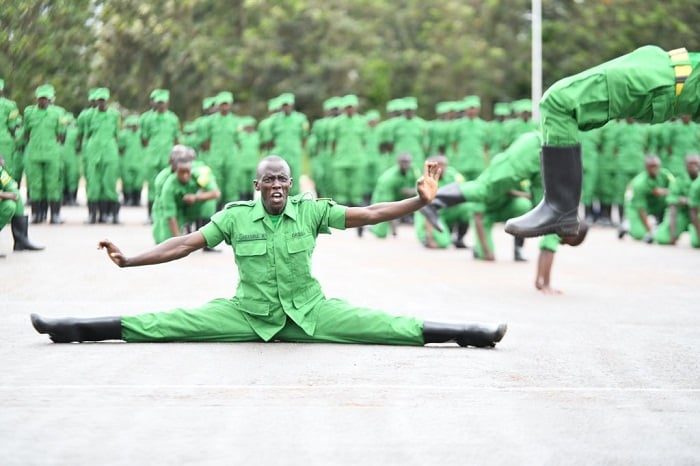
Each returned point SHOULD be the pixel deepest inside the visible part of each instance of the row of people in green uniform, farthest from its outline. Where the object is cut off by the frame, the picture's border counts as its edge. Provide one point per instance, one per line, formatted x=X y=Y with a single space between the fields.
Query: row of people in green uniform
x=614 y=154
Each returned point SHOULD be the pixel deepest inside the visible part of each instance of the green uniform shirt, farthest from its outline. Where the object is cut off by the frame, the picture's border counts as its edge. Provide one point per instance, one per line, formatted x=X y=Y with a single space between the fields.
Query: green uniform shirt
x=639 y=193
x=170 y=199
x=274 y=263
x=43 y=126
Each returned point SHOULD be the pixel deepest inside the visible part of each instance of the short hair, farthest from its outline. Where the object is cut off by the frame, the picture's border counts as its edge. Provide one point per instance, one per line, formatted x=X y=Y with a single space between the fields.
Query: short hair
x=271 y=159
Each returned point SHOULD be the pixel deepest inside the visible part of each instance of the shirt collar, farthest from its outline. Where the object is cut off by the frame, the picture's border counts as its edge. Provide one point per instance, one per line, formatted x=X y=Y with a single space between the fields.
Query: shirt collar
x=290 y=210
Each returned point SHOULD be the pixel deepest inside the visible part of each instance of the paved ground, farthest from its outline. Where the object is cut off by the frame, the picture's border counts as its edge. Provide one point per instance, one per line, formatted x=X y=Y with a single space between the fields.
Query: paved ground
x=607 y=373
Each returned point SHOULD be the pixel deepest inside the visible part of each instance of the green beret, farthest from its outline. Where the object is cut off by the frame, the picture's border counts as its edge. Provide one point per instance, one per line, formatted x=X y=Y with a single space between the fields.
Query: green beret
x=443 y=107
x=246 y=121
x=460 y=105
x=286 y=98
x=393 y=105
x=410 y=103
x=350 y=100
x=472 y=101
x=372 y=115
x=101 y=93
x=273 y=104
x=45 y=90
x=208 y=102
x=334 y=102
x=163 y=95
x=131 y=120
x=224 y=97
x=501 y=109
x=154 y=93
x=522 y=105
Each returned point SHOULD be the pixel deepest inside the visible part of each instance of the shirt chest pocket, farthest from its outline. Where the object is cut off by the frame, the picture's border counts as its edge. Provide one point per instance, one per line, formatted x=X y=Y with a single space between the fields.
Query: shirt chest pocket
x=299 y=249
x=251 y=257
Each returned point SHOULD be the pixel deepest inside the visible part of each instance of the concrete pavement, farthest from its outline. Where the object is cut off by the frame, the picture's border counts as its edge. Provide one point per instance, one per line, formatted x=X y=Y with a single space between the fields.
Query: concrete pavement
x=606 y=373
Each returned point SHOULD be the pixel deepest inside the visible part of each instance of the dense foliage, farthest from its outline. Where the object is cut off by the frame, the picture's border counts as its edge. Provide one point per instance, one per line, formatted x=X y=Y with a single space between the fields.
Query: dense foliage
x=438 y=50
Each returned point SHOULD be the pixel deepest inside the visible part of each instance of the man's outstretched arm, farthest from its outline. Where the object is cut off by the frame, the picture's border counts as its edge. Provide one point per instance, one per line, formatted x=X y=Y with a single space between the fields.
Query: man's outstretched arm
x=169 y=250
x=427 y=187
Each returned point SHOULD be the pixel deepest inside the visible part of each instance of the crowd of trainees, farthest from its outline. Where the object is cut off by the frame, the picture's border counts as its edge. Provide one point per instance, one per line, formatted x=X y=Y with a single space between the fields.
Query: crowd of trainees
x=349 y=152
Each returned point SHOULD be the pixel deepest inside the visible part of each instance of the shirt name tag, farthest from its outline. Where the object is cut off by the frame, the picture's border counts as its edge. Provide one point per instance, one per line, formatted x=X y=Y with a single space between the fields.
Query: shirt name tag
x=251 y=237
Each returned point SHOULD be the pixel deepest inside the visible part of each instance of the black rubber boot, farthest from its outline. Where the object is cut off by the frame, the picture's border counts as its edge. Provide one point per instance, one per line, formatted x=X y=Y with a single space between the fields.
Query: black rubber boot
x=56 y=213
x=43 y=212
x=92 y=213
x=447 y=196
x=20 y=225
x=115 y=212
x=72 y=329
x=518 y=244
x=102 y=211
x=562 y=174
x=605 y=215
x=479 y=335
x=462 y=229
x=36 y=212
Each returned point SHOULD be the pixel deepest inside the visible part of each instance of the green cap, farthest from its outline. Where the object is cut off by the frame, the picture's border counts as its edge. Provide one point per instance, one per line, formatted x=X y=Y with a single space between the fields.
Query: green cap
x=394 y=105
x=208 y=102
x=154 y=93
x=501 y=109
x=522 y=105
x=350 y=100
x=131 y=120
x=162 y=95
x=472 y=101
x=45 y=90
x=224 y=97
x=2 y=84
x=286 y=98
x=410 y=103
x=443 y=107
x=274 y=104
x=460 y=105
x=246 y=121
x=372 y=115
x=101 y=93
x=333 y=102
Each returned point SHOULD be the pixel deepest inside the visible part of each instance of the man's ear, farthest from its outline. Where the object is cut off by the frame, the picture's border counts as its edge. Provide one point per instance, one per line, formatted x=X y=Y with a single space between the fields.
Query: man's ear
x=255 y=185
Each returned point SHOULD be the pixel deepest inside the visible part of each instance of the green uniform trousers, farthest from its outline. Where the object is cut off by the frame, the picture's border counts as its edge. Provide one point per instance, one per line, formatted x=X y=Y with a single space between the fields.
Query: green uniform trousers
x=219 y=321
x=9 y=209
x=662 y=235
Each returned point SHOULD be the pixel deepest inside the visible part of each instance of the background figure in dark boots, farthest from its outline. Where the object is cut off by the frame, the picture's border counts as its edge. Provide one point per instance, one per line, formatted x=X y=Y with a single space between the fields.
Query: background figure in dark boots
x=43 y=132
x=102 y=157
x=131 y=157
x=12 y=211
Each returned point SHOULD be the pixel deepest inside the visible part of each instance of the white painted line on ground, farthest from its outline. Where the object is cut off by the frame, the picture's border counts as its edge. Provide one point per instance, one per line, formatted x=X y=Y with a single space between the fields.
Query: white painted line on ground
x=350 y=387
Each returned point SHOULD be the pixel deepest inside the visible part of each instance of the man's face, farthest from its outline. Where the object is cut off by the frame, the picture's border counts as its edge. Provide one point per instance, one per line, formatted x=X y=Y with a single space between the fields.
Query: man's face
x=161 y=106
x=404 y=163
x=287 y=109
x=273 y=183
x=184 y=172
x=42 y=102
x=102 y=105
x=224 y=108
x=693 y=167
x=653 y=169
